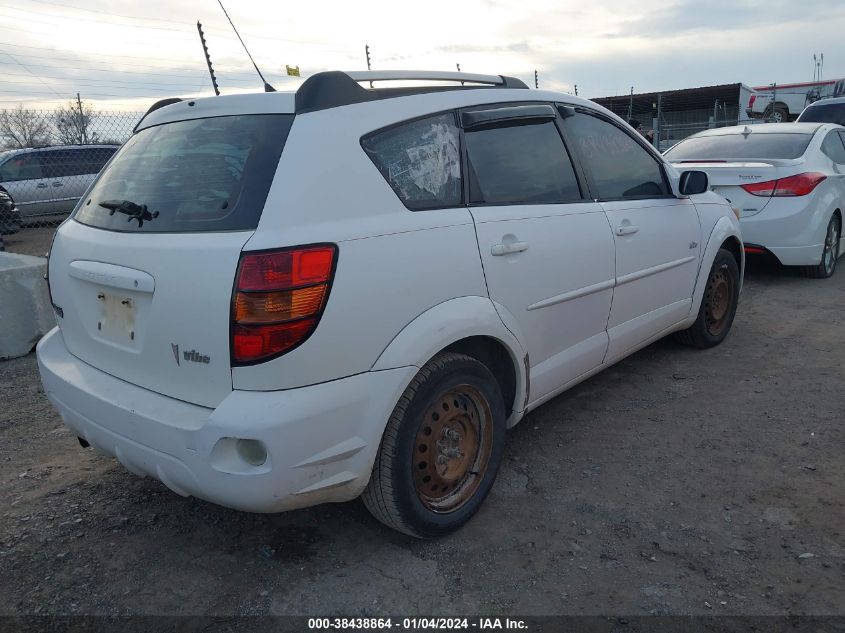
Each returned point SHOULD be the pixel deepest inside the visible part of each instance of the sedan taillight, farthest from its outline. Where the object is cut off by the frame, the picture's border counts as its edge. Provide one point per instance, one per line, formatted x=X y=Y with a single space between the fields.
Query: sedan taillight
x=798 y=185
x=278 y=300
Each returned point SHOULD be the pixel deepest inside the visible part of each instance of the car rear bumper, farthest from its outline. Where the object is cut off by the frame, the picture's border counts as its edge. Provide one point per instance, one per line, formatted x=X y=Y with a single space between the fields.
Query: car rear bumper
x=793 y=229
x=321 y=440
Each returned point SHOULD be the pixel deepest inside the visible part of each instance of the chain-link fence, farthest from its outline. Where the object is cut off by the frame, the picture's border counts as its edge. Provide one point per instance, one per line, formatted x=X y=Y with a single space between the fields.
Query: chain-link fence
x=47 y=160
x=49 y=157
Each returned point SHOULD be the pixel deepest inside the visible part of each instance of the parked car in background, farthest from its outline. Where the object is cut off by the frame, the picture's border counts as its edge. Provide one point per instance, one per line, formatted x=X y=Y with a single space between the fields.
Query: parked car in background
x=825 y=111
x=788 y=181
x=10 y=217
x=49 y=181
x=275 y=300
x=783 y=103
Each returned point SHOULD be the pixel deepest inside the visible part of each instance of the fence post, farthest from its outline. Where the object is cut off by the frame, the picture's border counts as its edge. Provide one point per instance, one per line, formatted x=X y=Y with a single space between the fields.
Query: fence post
x=656 y=125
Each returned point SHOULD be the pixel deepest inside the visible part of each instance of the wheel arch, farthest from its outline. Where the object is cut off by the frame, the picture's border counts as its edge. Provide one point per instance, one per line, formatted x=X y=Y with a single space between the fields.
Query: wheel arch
x=725 y=234
x=471 y=326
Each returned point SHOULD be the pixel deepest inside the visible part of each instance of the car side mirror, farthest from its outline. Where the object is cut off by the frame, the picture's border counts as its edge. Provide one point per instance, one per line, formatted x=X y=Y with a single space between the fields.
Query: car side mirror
x=693 y=182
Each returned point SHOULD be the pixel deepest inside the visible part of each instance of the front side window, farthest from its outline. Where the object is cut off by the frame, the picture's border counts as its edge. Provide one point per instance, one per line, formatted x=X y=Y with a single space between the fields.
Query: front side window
x=520 y=164
x=619 y=165
x=199 y=175
x=21 y=167
x=421 y=160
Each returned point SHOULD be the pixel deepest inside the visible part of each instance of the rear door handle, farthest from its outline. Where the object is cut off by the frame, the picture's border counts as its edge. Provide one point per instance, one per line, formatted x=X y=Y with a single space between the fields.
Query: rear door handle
x=58 y=184
x=507 y=249
x=41 y=185
x=626 y=229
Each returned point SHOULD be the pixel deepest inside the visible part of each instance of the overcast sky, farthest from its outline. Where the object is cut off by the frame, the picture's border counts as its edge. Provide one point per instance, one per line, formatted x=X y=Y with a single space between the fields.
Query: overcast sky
x=122 y=54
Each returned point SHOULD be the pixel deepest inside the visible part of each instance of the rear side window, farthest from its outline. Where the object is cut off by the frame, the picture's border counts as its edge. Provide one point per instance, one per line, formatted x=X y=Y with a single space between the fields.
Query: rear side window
x=21 y=167
x=740 y=146
x=198 y=175
x=620 y=167
x=830 y=113
x=522 y=164
x=833 y=147
x=75 y=162
x=421 y=160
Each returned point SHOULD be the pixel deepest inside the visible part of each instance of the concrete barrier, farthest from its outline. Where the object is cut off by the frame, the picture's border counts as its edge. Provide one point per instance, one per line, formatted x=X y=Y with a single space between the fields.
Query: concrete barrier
x=25 y=311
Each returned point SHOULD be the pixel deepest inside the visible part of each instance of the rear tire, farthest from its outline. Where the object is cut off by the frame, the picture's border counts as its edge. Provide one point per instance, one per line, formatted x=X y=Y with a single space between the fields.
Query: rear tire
x=777 y=115
x=827 y=266
x=441 y=449
x=718 y=305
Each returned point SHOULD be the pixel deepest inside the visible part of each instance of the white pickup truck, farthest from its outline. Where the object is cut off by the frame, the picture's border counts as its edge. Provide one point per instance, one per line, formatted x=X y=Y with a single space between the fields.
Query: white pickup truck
x=782 y=103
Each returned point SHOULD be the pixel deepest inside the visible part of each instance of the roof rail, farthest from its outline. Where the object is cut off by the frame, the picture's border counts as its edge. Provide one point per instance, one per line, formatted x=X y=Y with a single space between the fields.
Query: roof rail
x=334 y=88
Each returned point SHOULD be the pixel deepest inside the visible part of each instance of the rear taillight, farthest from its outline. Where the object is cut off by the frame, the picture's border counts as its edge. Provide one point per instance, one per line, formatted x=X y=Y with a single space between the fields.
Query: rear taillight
x=278 y=300
x=752 y=100
x=799 y=185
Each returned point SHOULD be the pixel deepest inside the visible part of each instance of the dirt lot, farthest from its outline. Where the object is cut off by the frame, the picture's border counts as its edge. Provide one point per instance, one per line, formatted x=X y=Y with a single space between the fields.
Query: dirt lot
x=33 y=240
x=677 y=482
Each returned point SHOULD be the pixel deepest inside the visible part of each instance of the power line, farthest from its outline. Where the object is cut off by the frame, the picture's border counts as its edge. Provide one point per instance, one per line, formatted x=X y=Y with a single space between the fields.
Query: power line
x=208 y=28
x=29 y=71
x=83 y=82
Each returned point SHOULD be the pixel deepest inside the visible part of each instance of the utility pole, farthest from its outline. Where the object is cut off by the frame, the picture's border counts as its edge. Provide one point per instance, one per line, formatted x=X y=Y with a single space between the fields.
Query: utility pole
x=536 y=80
x=208 y=60
x=631 y=105
x=367 y=53
x=576 y=90
x=83 y=133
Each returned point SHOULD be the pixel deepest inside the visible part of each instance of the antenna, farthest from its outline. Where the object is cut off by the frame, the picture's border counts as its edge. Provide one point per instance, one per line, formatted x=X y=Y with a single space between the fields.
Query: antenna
x=576 y=90
x=536 y=80
x=267 y=87
x=208 y=60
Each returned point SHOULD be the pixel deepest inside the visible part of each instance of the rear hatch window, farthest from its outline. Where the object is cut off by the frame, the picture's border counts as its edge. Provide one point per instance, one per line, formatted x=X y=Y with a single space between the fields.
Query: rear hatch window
x=828 y=113
x=741 y=147
x=191 y=176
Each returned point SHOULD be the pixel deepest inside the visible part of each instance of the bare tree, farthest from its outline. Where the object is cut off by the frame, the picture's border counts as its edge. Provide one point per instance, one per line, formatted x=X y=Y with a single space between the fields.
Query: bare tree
x=73 y=123
x=21 y=128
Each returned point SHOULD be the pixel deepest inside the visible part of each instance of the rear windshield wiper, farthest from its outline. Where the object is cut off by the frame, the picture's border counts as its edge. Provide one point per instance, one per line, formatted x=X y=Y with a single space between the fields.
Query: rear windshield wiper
x=134 y=211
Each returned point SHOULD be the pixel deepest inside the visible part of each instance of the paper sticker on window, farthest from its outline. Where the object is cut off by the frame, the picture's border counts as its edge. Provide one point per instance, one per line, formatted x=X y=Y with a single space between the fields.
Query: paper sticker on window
x=421 y=161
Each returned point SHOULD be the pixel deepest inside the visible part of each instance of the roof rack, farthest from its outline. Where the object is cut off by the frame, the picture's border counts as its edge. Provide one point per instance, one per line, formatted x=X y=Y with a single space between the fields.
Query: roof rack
x=334 y=88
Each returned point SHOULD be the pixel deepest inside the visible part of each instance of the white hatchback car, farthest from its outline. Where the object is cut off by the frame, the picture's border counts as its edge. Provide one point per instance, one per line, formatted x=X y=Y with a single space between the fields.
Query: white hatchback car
x=271 y=301
x=787 y=179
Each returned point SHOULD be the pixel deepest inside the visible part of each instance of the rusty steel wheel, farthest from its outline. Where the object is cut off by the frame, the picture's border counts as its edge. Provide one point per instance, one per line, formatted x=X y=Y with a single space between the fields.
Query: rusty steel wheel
x=441 y=448
x=718 y=299
x=452 y=449
x=718 y=304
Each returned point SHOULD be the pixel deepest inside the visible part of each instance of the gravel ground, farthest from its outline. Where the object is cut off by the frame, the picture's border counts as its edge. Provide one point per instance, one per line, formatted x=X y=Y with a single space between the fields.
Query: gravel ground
x=676 y=482
x=33 y=240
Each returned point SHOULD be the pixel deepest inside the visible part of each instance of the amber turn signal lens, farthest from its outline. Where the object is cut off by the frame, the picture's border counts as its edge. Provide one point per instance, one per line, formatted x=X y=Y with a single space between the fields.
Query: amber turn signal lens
x=275 y=307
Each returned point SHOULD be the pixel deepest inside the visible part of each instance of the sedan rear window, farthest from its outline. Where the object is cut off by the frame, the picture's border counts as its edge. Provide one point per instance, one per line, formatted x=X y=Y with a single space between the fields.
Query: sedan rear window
x=190 y=176
x=740 y=147
x=830 y=113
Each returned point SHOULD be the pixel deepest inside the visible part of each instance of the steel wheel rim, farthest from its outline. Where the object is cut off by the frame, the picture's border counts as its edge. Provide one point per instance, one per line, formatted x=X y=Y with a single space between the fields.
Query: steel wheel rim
x=452 y=449
x=830 y=247
x=719 y=297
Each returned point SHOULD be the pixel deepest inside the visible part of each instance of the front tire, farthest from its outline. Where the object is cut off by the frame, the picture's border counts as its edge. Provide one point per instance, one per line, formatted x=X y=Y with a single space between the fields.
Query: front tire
x=718 y=305
x=827 y=266
x=441 y=449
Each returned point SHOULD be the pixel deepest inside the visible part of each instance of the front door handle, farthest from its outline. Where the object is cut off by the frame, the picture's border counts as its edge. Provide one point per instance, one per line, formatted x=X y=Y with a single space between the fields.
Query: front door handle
x=41 y=185
x=507 y=249
x=627 y=229
x=58 y=184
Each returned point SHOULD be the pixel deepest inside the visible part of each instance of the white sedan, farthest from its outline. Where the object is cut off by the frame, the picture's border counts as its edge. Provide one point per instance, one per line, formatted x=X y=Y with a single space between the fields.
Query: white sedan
x=788 y=182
